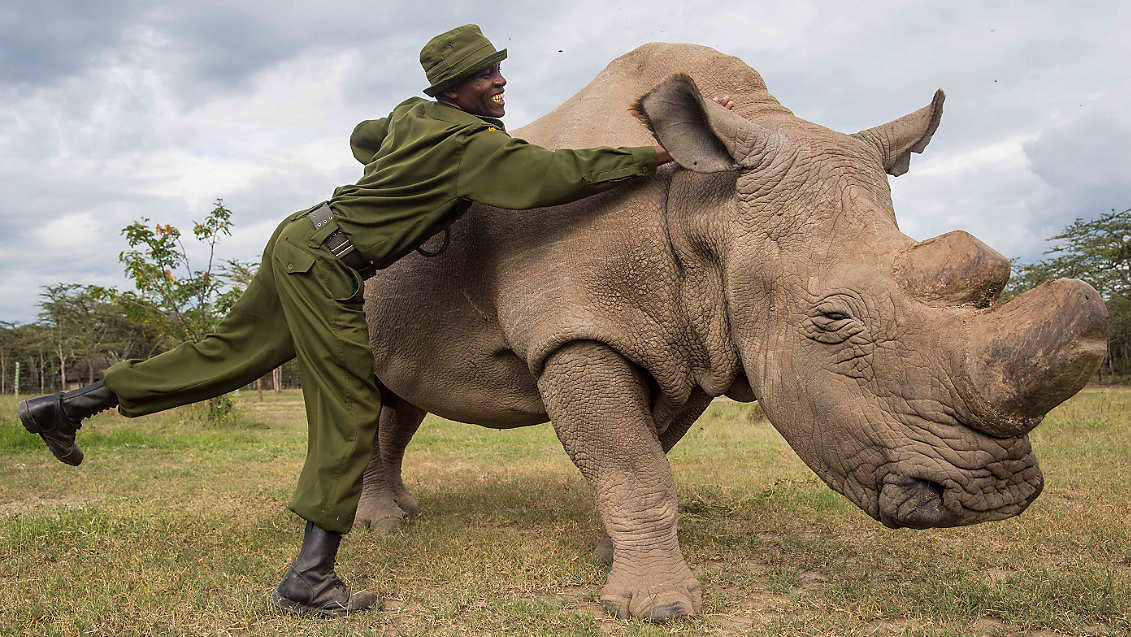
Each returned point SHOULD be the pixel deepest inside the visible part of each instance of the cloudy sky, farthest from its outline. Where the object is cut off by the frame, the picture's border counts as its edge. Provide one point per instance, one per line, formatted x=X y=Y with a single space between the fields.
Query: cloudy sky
x=114 y=110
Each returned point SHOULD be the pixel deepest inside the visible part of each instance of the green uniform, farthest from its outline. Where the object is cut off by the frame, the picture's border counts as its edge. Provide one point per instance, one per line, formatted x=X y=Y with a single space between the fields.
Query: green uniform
x=424 y=165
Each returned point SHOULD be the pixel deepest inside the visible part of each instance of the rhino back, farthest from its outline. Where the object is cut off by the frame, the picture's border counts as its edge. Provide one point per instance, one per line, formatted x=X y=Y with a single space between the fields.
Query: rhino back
x=599 y=115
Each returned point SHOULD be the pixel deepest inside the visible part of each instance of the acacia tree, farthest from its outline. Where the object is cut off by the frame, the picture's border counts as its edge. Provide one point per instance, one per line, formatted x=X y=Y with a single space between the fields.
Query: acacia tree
x=64 y=310
x=1097 y=251
x=181 y=301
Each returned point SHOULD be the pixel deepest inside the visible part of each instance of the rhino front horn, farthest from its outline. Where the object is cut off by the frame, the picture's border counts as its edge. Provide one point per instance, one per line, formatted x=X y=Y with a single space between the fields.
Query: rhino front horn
x=1027 y=356
x=954 y=268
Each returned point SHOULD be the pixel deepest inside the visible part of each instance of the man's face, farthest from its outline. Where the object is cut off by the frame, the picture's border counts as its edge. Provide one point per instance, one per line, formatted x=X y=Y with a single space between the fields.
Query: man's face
x=480 y=94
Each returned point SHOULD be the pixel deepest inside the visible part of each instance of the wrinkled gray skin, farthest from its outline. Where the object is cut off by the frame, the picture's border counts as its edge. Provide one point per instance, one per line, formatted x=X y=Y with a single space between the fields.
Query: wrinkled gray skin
x=767 y=264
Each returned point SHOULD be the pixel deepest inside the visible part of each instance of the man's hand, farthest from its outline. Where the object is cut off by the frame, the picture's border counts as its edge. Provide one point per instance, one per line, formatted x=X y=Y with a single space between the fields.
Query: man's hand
x=724 y=101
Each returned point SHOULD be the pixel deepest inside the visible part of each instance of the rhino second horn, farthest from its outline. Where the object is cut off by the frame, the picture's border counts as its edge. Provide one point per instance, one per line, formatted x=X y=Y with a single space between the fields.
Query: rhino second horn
x=1027 y=356
x=953 y=268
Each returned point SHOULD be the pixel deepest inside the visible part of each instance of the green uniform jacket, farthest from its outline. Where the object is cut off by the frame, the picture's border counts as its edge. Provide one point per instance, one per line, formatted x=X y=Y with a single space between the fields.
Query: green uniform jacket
x=427 y=162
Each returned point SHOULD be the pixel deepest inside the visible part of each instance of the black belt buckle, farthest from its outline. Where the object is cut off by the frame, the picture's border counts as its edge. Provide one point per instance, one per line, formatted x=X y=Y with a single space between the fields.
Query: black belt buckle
x=339 y=244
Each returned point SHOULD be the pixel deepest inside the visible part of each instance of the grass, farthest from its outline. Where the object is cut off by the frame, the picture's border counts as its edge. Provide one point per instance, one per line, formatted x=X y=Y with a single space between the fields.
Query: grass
x=172 y=527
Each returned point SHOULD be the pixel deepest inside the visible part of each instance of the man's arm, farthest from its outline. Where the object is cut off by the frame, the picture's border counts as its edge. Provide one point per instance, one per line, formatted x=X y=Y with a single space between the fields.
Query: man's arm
x=499 y=170
x=502 y=171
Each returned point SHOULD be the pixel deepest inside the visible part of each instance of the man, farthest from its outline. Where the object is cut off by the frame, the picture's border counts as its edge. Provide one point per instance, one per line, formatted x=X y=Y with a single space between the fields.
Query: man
x=424 y=166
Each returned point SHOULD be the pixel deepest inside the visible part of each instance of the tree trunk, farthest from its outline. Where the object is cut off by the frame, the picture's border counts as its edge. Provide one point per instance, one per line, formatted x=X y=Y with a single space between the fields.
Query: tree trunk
x=259 y=387
x=41 y=372
x=62 y=370
x=277 y=379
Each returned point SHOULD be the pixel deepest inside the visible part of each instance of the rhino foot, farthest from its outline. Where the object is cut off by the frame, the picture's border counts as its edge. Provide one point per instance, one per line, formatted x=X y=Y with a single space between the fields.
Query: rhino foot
x=650 y=600
x=603 y=552
x=405 y=501
x=384 y=512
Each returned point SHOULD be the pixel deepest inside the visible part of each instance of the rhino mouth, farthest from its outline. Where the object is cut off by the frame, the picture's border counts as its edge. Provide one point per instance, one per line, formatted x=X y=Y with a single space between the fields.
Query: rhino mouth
x=921 y=500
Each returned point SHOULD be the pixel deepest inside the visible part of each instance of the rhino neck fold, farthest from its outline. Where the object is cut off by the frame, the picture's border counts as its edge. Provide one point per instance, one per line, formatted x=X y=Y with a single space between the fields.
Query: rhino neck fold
x=697 y=238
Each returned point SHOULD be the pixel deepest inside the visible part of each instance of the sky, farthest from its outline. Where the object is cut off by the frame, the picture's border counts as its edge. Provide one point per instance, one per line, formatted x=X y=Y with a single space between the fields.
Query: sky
x=112 y=111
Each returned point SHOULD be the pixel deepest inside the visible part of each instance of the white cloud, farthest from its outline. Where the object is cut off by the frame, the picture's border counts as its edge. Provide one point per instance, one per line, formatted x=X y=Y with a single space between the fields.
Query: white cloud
x=68 y=231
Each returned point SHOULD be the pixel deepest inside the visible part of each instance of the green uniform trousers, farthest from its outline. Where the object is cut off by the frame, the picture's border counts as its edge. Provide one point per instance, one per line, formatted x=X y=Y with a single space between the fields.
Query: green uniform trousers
x=302 y=302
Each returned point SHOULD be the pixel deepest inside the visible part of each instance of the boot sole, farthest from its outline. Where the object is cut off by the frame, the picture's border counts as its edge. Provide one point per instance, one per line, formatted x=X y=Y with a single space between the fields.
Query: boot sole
x=298 y=608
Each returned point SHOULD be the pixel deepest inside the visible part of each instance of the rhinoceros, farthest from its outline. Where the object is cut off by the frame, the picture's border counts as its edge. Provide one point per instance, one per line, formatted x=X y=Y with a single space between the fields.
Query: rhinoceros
x=767 y=264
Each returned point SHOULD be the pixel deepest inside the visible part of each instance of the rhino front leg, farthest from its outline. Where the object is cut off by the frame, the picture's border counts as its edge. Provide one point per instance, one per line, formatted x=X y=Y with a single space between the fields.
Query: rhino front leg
x=384 y=500
x=679 y=422
x=599 y=405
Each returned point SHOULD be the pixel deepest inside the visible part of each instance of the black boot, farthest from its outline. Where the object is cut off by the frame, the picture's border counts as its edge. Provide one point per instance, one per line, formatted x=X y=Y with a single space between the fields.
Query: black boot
x=311 y=586
x=56 y=417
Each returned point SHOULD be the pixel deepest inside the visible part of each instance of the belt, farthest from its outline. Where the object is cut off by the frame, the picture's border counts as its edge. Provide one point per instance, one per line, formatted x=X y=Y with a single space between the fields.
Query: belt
x=339 y=244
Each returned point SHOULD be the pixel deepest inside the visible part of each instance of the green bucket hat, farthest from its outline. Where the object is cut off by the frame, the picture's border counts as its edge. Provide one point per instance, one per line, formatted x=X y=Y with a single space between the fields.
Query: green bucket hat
x=455 y=55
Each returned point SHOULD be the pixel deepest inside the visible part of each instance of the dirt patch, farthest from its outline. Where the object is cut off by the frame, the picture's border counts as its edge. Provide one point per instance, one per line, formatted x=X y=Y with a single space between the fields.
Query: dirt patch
x=735 y=624
x=988 y=626
x=36 y=503
x=811 y=581
x=887 y=627
x=998 y=574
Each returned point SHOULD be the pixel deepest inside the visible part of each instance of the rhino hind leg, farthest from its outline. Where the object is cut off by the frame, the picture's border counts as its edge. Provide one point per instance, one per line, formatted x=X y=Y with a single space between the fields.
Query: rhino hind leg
x=599 y=405
x=385 y=502
x=679 y=424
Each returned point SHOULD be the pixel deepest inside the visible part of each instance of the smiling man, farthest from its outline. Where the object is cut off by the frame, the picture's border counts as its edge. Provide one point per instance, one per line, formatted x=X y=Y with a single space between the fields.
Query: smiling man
x=425 y=164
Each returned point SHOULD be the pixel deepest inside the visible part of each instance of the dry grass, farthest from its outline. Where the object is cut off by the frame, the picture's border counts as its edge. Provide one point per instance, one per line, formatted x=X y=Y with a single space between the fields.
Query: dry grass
x=175 y=528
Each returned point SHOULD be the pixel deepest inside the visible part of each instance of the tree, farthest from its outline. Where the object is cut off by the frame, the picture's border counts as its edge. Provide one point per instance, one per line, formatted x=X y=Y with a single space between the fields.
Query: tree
x=1097 y=251
x=183 y=303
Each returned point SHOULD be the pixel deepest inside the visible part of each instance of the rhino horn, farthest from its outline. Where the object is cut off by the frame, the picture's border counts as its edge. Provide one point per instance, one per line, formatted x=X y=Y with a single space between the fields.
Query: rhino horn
x=700 y=135
x=1027 y=356
x=954 y=268
x=911 y=133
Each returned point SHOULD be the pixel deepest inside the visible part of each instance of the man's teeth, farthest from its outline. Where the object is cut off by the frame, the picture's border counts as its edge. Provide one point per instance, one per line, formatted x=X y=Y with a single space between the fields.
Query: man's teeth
x=497 y=98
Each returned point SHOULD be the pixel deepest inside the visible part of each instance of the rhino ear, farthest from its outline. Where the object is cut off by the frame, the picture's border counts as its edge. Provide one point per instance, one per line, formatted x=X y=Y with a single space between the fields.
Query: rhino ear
x=700 y=134
x=896 y=140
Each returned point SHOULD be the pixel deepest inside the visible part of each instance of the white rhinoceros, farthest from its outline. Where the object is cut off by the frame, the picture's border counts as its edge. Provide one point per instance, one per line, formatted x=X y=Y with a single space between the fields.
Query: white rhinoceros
x=768 y=263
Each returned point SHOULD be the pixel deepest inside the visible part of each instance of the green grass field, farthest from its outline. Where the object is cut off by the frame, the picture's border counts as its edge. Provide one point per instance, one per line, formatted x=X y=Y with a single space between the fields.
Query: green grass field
x=173 y=527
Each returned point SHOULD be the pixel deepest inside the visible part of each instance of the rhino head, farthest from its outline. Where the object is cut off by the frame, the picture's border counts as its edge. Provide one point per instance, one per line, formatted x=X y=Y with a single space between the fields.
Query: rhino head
x=883 y=361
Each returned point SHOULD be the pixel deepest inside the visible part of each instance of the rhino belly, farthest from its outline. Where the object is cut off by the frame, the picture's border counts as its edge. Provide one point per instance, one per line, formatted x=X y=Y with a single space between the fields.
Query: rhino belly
x=437 y=342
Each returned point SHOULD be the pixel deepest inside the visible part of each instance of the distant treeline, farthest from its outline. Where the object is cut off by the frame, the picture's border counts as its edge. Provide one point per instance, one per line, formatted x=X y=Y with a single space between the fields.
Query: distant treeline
x=79 y=334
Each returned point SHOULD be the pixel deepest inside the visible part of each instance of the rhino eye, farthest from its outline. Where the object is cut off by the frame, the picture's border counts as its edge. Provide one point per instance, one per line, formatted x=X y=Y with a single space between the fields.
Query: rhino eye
x=830 y=325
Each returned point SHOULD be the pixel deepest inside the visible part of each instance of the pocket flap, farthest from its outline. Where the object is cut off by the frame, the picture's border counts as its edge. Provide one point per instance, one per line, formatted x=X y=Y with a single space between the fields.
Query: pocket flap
x=292 y=258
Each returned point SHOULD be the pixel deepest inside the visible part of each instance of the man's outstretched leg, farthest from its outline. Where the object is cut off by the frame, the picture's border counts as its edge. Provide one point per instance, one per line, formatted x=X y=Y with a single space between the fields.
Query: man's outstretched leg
x=252 y=340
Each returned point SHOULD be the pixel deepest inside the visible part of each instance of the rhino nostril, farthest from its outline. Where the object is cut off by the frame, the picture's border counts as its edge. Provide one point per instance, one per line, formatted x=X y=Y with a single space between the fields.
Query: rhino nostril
x=934 y=488
x=915 y=503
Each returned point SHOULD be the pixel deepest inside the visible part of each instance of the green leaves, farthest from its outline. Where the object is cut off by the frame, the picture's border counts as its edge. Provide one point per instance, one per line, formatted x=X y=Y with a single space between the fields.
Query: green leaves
x=182 y=302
